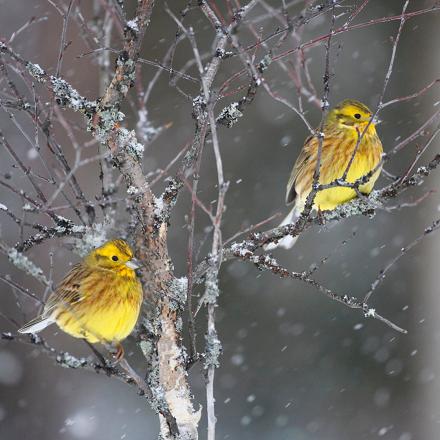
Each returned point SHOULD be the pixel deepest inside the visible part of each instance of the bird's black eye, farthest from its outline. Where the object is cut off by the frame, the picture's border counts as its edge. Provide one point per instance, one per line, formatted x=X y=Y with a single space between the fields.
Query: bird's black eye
x=357 y=115
x=115 y=258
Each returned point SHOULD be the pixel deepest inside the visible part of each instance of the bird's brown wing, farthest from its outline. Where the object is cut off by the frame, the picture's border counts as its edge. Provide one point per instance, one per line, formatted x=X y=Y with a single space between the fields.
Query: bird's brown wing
x=301 y=162
x=69 y=291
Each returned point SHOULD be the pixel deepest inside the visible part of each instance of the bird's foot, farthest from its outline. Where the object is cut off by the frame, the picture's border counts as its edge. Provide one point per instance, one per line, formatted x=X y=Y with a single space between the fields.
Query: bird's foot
x=117 y=352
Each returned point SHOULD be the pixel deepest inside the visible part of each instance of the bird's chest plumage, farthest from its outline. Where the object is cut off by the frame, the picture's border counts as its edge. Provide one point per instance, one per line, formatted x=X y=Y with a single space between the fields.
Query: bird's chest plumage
x=107 y=311
x=337 y=158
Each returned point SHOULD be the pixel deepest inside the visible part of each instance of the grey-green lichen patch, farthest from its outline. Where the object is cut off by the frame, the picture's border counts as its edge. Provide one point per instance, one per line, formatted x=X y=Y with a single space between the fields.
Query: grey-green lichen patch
x=128 y=67
x=358 y=206
x=157 y=398
x=66 y=360
x=127 y=140
x=212 y=290
x=177 y=293
x=147 y=348
x=213 y=350
x=230 y=115
x=108 y=118
x=264 y=63
x=242 y=249
x=67 y=96
x=36 y=71
x=93 y=237
x=179 y=325
x=23 y=263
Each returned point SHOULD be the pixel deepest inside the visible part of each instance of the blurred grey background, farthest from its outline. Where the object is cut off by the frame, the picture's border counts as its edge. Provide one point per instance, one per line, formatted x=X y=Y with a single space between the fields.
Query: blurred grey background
x=295 y=366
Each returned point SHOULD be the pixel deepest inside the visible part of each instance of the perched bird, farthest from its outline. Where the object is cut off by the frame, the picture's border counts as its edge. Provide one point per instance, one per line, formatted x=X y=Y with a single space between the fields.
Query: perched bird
x=344 y=126
x=98 y=300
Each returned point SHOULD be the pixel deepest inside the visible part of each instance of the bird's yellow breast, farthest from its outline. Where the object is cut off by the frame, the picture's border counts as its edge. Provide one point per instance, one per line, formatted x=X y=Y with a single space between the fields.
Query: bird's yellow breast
x=335 y=160
x=107 y=311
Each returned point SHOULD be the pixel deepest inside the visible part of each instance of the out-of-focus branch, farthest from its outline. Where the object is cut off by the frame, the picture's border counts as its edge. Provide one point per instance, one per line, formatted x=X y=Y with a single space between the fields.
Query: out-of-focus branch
x=403 y=251
x=265 y=262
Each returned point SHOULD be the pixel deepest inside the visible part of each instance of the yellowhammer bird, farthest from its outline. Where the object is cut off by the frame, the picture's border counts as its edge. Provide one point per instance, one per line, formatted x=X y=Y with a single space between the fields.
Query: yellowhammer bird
x=99 y=299
x=343 y=127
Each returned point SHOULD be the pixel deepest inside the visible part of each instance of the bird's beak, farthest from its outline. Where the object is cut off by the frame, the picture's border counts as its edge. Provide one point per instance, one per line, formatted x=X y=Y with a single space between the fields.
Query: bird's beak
x=133 y=264
x=376 y=120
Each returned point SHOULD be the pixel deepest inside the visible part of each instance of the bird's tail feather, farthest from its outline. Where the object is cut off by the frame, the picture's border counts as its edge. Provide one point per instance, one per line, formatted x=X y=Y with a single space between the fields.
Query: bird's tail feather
x=288 y=241
x=36 y=325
